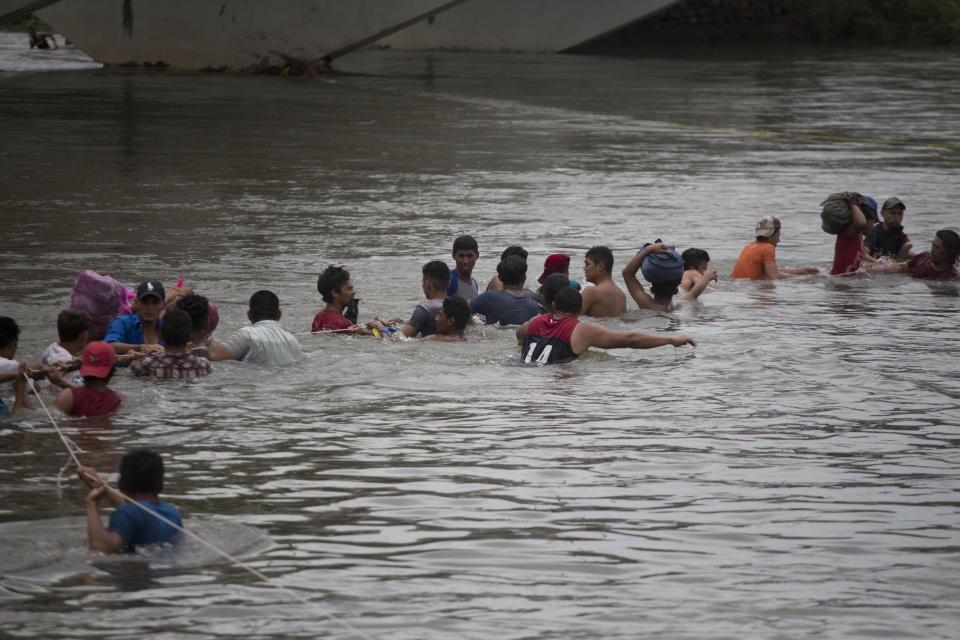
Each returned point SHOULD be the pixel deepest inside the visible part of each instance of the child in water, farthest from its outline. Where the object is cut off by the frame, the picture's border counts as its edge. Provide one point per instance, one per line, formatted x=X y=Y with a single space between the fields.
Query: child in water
x=695 y=262
x=130 y=526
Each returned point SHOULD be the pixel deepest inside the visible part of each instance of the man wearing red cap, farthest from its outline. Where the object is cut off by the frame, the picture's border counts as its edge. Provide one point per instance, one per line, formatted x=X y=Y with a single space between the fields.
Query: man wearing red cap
x=94 y=398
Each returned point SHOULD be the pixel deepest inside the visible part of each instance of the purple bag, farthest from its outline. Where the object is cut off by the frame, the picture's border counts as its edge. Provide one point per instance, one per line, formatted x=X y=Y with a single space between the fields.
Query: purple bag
x=103 y=298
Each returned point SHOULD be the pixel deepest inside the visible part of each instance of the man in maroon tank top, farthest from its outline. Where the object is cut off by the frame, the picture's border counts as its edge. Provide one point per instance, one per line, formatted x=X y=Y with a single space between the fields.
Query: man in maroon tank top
x=560 y=337
x=94 y=398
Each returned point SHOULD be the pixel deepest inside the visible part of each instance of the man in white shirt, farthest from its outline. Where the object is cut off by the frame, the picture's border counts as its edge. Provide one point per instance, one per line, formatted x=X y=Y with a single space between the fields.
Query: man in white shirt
x=265 y=342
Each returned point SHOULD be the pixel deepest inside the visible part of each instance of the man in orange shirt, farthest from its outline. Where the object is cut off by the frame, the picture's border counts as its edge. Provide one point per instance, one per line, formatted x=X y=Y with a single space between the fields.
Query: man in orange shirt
x=758 y=259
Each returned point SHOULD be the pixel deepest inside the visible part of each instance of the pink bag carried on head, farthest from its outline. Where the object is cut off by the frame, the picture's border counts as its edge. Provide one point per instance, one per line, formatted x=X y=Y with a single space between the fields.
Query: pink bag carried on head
x=103 y=298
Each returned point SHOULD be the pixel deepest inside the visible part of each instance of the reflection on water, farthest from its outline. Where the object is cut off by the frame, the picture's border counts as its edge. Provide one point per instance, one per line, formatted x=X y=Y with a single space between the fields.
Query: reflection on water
x=794 y=475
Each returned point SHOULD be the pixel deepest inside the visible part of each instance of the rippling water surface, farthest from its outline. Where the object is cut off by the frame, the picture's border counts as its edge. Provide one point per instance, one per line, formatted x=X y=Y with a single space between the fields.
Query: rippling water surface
x=793 y=476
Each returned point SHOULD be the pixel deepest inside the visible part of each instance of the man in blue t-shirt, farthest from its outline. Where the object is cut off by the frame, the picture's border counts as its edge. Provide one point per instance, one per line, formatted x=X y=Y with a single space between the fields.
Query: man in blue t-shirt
x=149 y=521
x=508 y=305
x=140 y=331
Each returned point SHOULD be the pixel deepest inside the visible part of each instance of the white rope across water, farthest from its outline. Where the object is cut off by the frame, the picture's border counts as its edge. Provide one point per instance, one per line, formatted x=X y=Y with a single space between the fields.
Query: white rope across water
x=70 y=445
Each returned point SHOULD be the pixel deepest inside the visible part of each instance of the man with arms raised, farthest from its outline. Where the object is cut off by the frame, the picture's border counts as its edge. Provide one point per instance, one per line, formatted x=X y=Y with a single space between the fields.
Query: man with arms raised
x=560 y=337
x=605 y=299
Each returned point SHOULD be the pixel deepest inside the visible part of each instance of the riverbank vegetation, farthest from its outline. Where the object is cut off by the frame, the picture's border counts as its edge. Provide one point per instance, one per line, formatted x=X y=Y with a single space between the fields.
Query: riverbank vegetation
x=831 y=22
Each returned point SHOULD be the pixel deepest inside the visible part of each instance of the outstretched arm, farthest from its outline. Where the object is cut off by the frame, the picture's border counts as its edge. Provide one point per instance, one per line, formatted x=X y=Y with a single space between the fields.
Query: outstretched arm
x=588 y=334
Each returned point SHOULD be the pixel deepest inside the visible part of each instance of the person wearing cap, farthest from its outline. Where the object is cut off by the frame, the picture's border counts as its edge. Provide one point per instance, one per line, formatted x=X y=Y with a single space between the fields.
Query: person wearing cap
x=560 y=337
x=557 y=263
x=141 y=330
x=94 y=398
x=663 y=289
x=758 y=259
x=605 y=299
x=886 y=239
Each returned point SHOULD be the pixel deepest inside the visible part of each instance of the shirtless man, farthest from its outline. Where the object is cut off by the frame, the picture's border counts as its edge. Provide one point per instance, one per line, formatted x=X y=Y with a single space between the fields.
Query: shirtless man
x=605 y=299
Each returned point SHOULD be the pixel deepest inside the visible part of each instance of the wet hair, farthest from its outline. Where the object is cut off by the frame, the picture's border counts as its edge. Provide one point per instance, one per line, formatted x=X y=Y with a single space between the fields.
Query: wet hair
x=175 y=328
x=458 y=310
x=332 y=279
x=553 y=284
x=141 y=471
x=951 y=242
x=9 y=331
x=694 y=258
x=602 y=254
x=197 y=307
x=568 y=300
x=514 y=250
x=512 y=270
x=465 y=243
x=71 y=323
x=437 y=272
x=264 y=305
x=664 y=288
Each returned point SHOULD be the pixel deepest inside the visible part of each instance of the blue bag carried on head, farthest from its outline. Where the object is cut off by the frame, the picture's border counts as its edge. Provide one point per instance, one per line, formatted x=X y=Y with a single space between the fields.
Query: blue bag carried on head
x=662 y=267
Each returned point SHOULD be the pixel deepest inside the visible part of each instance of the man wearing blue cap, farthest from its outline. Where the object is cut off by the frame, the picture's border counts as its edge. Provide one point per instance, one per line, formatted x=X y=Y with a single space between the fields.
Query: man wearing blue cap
x=140 y=331
x=663 y=267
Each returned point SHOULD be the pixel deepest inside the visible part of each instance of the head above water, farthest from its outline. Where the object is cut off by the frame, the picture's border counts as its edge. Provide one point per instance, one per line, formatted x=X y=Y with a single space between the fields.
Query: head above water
x=512 y=271
x=465 y=255
x=893 y=202
x=602 y=256
x=97 y=361
x=176 y=328
x=665 y=289
x=141 y=471
x=9 y=331
x=555 y=263
x=437 y=274
x=456 y=311
x=332 y=280
x=568 y=300
x=553 y=284
x=150 y=289
x=72 y=323
x=950 y=241
x=198 y=308
x=465 y=243
x=514 y=250
x=767 y=227
x=264 y=305
x=695 y=259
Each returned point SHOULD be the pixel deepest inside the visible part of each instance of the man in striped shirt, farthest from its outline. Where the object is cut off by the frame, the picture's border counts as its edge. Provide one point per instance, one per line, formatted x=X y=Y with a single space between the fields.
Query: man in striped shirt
x=265 y=342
